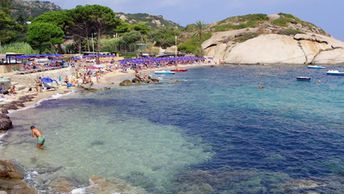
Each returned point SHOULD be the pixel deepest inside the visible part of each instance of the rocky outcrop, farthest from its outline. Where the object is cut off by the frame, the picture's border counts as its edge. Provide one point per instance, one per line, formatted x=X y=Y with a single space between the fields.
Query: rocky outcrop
x=27 y=9
x=126 y=83
x=267 y=49
x=137 y=81
x=61 y=185
x=10 y=170
x=11 y=179
x=275 y=49
x=5 y=122
x=331 y=56
x=100 y=185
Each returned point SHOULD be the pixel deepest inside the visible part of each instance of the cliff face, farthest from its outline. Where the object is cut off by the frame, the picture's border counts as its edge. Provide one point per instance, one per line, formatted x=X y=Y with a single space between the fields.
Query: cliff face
x=31 y=8
x=274 y=41
x=151 y=20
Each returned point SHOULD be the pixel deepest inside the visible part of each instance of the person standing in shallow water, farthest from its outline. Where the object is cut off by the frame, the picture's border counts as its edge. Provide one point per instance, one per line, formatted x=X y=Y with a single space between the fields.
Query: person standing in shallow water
x=39 y=135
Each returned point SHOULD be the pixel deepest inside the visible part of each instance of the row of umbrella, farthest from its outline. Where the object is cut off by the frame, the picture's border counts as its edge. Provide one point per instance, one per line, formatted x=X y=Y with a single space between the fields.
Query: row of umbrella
x=38 y=56
x=159 y=60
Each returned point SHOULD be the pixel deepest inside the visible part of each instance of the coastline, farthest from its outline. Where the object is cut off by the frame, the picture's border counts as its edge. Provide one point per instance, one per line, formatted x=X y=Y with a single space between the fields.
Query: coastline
x=108 y=80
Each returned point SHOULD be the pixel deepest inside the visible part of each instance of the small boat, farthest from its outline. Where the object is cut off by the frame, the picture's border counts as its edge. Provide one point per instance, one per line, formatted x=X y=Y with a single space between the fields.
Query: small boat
x=315 y=67
x=165 y=72
x=179 y=70
x=303 y=78
x=335 y=72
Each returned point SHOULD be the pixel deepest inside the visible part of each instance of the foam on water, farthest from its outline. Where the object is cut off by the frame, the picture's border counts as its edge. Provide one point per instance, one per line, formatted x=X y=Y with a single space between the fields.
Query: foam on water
x=55 y=96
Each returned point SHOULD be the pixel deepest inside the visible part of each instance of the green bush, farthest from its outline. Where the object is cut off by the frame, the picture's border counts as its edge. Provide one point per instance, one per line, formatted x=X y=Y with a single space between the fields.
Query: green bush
x=290 y=32
x=283 y=22
x=284 y=19
x=241 y=22
x=193 y=44
x=109 y=45
x=17 y=47
x=246 y=36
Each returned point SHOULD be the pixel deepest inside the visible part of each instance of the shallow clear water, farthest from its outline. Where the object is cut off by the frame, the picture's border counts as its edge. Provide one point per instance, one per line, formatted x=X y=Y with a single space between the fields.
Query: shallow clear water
x=211 y=131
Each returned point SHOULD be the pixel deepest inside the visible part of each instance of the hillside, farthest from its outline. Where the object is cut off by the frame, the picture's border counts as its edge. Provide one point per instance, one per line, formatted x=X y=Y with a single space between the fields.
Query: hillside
x=281 y=23
x=31 y=8
x=152 y=20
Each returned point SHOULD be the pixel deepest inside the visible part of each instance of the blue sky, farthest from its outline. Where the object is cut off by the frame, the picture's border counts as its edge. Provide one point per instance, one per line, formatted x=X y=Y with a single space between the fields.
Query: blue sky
x=326 y=14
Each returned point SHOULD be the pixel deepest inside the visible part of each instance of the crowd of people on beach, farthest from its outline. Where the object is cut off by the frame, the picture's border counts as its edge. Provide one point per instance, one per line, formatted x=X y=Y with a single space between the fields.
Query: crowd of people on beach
x=83 y=73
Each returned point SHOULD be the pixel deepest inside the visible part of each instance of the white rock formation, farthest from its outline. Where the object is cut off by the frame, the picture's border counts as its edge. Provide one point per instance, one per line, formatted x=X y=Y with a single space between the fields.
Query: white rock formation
x=307 y=48
x=267 y=49
x=334 y=56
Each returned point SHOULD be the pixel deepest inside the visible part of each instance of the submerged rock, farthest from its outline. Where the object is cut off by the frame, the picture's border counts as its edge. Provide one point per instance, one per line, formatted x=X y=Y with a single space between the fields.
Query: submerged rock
x=99 y=185
x=303 y=184
x=11 y=179
x=62 y=185
x=10 y=170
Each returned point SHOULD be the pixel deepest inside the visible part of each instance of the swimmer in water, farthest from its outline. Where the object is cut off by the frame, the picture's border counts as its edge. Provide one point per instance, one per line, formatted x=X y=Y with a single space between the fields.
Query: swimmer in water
x=261 y=85
x=39 y=135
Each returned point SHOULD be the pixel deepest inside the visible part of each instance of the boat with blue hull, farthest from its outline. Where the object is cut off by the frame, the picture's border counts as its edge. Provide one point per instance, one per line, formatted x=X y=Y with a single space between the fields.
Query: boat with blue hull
x=315 y=67
x=302 y=78
x=164 y=72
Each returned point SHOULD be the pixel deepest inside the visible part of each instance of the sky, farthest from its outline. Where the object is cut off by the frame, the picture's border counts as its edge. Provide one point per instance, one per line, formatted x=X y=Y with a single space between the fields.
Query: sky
x=327 y=14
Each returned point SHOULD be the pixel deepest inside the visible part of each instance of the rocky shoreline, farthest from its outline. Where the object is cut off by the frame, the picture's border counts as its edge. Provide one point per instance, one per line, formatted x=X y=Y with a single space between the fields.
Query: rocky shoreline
x=5 y=120
x=12 y=179
x=11 y=174
x=17 y=184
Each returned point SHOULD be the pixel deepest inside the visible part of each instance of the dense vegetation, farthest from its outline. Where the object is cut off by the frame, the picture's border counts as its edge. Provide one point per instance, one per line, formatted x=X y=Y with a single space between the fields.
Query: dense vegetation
x=99 y=28
x=240 y=22
x=17 y=47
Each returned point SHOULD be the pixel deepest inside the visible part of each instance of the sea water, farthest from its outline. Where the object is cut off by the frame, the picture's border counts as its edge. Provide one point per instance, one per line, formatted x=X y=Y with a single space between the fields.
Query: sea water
x=232 y=129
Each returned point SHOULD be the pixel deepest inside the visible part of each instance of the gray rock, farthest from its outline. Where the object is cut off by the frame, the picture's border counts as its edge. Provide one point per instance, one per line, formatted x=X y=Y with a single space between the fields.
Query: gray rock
x=3 y=111
x=126 y=83
x=10 y=170
x=5 y=123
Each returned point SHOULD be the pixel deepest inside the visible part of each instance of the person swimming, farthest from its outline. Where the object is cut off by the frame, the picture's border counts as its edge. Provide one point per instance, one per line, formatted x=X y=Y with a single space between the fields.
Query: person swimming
x=39 y=135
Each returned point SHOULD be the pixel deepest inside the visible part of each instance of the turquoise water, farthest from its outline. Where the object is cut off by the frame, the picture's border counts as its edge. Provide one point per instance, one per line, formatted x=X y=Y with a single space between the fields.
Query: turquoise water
x=211 y=131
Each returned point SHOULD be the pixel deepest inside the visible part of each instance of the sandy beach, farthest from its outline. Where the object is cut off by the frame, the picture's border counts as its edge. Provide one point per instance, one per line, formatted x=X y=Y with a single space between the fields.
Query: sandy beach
x=107 y=80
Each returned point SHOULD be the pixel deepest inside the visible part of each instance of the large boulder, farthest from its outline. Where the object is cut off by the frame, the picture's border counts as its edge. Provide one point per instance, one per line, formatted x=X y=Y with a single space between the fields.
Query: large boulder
x=267 y=49
x=126 y=83
x=3 y=111
x=5 y=122
x=11 y=179
x=237 y=47
x=10 y=106
x=10 y=170
x=11 y=186
x=334 y=56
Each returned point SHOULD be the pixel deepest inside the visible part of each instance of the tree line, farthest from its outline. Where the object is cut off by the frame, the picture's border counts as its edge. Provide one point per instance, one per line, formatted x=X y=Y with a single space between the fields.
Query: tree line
x=84 y=28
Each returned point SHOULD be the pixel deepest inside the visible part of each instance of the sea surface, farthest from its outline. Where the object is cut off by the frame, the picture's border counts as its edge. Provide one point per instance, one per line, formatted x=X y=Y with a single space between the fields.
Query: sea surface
x=231 y=129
